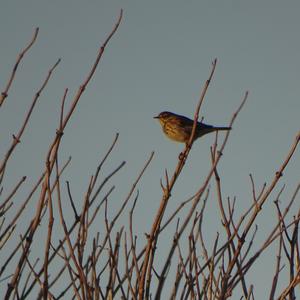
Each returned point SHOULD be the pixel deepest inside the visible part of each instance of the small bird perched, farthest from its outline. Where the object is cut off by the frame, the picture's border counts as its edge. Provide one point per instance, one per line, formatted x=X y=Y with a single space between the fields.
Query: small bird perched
x=179 y=128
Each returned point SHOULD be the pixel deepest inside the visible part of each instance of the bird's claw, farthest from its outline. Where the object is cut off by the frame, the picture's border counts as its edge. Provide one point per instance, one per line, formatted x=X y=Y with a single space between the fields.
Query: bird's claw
x=181 y=156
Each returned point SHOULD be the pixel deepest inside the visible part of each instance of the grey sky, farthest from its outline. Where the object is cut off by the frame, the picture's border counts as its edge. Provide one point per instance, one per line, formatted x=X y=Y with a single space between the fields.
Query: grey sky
x=158 y=60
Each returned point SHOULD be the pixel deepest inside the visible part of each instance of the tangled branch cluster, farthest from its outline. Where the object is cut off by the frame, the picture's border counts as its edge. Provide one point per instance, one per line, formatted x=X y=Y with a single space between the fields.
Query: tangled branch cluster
x=110 y=264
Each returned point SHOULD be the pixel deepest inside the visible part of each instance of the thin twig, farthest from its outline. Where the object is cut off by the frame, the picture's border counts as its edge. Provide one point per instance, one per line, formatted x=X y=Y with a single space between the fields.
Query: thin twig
x=4 y=94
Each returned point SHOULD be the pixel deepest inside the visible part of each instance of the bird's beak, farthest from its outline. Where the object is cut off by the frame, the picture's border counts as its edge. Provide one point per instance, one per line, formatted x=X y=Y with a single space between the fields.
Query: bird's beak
x=156 y=117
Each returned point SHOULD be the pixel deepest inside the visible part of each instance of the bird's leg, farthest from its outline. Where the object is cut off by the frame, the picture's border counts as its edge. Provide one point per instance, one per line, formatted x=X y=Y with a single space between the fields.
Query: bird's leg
x=182 y=154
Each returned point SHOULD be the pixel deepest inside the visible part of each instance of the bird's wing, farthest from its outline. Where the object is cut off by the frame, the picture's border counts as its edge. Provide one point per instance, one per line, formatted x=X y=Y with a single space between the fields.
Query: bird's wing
x=204 y=126
x=186 y=122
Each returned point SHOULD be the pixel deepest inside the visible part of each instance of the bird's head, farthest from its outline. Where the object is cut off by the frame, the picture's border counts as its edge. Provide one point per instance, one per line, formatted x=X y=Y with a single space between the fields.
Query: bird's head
x=164 y=116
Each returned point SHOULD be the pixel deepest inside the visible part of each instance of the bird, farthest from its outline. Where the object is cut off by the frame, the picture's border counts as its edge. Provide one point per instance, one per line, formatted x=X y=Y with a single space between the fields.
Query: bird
x=179 y=128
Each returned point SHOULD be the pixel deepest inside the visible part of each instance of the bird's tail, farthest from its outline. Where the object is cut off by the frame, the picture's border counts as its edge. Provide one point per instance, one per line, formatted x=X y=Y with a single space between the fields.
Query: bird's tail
x=221 y=128
x=210 y=129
